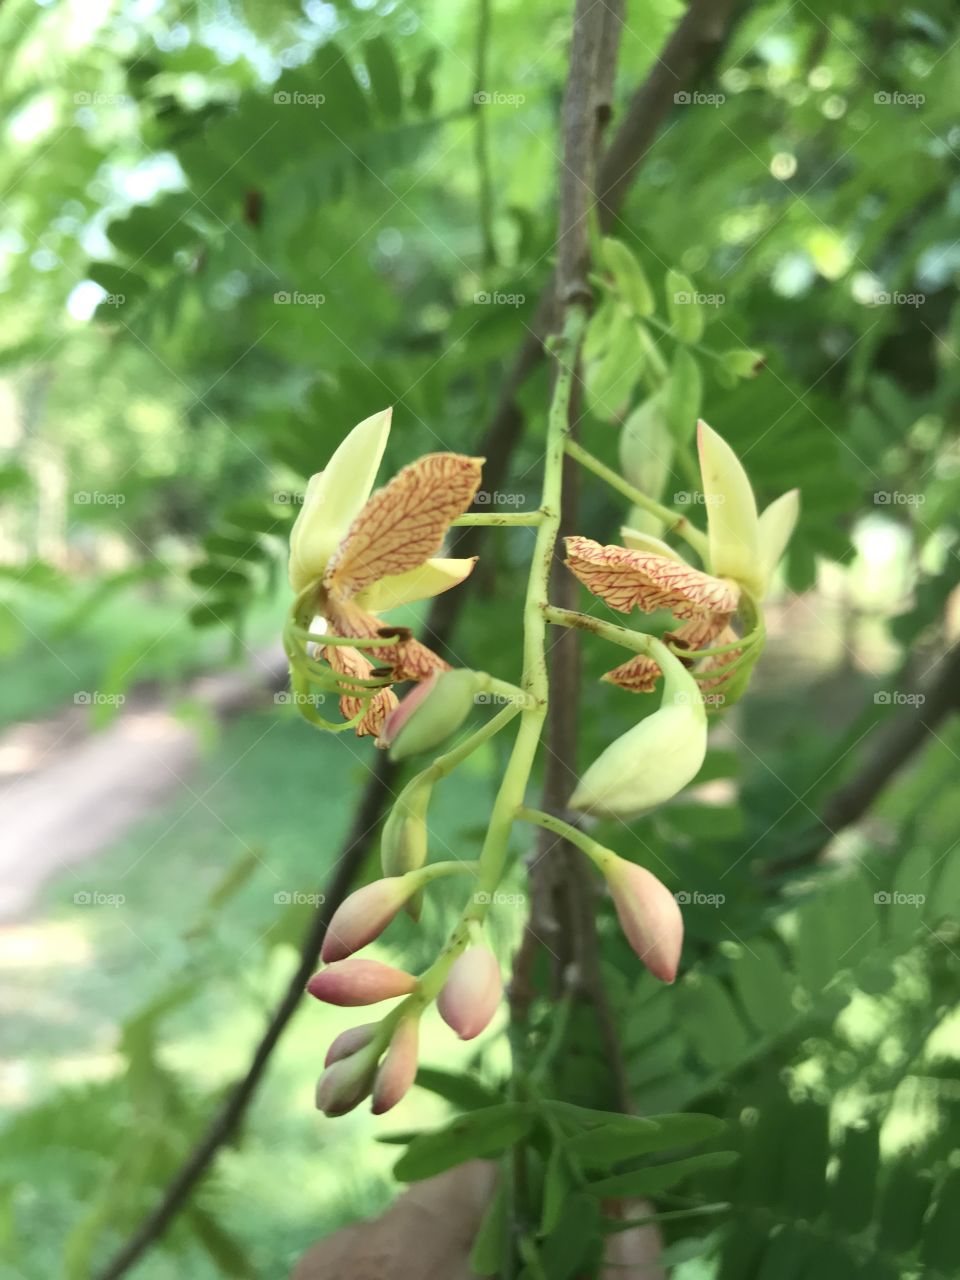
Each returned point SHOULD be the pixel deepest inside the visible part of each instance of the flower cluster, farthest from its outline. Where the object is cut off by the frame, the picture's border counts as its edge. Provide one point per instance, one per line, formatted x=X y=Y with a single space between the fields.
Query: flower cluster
x=355 y=554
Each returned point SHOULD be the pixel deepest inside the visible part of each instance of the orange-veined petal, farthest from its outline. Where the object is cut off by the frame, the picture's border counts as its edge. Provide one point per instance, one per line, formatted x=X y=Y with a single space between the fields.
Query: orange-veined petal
x=407 y=658
x=351 y=662
x=635 y=579
x=639 y=674
x=404 y=523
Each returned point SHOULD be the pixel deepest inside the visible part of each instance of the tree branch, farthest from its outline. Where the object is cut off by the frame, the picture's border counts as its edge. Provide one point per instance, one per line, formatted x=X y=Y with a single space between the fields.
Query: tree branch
x=647 y=109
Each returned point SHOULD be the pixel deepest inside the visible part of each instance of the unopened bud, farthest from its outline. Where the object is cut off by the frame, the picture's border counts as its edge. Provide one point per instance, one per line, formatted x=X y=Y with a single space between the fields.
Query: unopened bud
x=355 y=982
x=398 y=1069
x=471 y=992
x=346 y=1083
x=350 y=1041
x=655 y=759
x=430 y=712
x=364 y=915
x=742 y=362
x=648 y=914
x=403 y=845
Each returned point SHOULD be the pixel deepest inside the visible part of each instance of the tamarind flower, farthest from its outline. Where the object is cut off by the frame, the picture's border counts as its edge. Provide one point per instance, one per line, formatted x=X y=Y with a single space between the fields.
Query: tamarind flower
x=364 y=552
x=743 y=551
x=364 y=915
x=346 y=1082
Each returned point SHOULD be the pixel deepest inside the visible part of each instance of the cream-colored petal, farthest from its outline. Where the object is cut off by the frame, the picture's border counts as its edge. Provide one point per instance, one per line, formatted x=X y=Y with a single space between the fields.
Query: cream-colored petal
x=334 y=498
x=427 y=580
x=777 y=523
x=637 y=540
x=732 y=523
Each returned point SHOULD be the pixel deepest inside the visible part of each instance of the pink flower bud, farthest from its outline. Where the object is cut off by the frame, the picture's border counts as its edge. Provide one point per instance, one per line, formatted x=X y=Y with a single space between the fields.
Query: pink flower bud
x=430 y=713
x=399 y=1067
x=649 y=916
x=471 y=992
x=364 y=916
x=352 y=982
x=350 y=1041
x=346 y=1083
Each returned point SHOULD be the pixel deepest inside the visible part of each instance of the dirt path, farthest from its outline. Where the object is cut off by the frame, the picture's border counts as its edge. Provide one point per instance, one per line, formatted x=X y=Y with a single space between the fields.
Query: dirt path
x=66 y=792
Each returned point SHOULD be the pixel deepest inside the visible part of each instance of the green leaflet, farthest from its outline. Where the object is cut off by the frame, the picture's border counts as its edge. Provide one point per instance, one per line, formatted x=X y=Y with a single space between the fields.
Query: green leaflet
x=481 y=1133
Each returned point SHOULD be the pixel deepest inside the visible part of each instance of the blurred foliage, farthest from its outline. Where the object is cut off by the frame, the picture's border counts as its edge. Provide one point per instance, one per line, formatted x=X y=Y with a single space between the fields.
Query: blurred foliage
x=231 y=233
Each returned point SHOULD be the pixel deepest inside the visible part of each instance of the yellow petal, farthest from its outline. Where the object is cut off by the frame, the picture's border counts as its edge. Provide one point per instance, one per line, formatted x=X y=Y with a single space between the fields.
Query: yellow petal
x=732 y=523
x=335 y=497
x=777 y=523
x=416 y=584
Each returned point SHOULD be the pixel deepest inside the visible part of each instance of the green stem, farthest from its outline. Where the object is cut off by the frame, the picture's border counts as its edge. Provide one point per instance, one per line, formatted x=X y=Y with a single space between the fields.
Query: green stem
x=597 y=853
x=535 y=684
x=674 y=521
x=498 y=519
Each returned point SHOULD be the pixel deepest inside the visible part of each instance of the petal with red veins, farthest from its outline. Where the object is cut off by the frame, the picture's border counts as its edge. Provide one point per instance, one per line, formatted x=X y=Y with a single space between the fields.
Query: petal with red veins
x=628 y=579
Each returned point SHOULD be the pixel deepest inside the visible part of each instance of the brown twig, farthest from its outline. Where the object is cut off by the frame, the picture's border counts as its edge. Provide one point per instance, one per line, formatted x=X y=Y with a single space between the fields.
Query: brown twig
x=905 y=734
x=630 y=144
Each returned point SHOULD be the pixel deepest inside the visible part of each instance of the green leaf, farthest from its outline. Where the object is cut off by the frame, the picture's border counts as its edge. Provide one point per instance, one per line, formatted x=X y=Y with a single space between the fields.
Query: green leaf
x=763 y=987
x=464 y=1092
x=384 y=77
x=558 y=1183
x=685 y=312
x=657 y=1178
x=481 y=1133
x=629 y=278
x=631 y=1136
x=941 y=1242
x=487 y=1252
x=903 y=1203
x=684 y=394
x=852 y=1194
